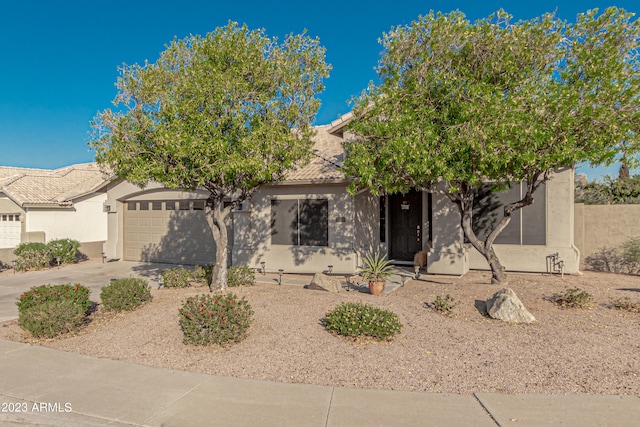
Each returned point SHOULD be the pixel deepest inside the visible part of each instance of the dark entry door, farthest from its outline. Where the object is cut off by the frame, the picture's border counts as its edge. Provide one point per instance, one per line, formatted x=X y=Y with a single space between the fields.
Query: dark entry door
x=405 y=233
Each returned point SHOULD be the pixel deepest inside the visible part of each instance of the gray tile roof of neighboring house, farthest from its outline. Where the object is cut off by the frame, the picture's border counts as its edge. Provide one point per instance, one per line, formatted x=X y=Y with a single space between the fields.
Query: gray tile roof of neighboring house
x=326 y=162
x=41 y=187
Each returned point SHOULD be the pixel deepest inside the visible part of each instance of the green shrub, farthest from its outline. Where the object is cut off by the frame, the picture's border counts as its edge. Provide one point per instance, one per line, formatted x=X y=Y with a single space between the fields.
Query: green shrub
x=240 y=276
x=178 y=277
x=125 y=294
x=574 y=298
x=216 y=318
x=52 y=318
x=444 y=305
x=358 y=320
x=202 y=274
x=74 y=293
x=66 y=249
x=32 y=256
x=626 y=304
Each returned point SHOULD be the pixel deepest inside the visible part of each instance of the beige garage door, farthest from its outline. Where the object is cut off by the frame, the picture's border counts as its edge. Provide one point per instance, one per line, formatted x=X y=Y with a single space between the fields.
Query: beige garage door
x=168 y=231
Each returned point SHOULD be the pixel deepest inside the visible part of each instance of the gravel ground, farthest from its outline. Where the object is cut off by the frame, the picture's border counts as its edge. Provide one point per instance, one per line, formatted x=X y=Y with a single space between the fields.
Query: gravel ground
x=565 y=351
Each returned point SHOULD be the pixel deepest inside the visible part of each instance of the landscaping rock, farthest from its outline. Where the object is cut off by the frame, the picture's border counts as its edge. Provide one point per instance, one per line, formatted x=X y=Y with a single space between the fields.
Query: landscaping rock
x=505 y=305
x=322 y=282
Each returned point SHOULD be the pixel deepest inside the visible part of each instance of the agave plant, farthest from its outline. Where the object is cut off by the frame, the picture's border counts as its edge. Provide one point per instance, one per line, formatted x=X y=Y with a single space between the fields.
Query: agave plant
x=376 y=266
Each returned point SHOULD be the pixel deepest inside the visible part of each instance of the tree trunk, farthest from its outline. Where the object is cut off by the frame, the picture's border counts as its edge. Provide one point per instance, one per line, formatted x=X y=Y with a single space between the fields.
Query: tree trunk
x=216 y=216
x=464 y=201
x=485 y=248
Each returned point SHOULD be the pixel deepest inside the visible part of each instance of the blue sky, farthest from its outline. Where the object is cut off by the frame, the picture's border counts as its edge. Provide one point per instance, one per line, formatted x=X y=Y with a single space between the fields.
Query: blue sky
x=60 y=58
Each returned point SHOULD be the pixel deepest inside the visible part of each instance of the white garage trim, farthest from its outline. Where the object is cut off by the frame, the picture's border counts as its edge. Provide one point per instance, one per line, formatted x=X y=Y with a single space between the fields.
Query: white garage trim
x=10 y=230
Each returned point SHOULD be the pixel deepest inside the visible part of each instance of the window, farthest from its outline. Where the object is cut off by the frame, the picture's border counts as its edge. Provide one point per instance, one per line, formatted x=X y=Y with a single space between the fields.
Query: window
x=144 y=206
x=170 y=206
x=131 y=206
x=527 y=226
x=4 y=217
x=184 y=205
x=303 y=222
x=156 y=206
x=198 y=205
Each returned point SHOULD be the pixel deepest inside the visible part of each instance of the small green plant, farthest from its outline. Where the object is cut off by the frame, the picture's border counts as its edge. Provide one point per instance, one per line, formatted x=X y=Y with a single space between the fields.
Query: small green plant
x=66 y=249
x=217 y=319
x=178 y=277
x=240 y=276
x=626 y=304
x=125 y=294
x=376 y=266
x=37 y=295
x=52 y=318
x=32 y=256
x=444 y=305
x=574 y=298
x=355 y=319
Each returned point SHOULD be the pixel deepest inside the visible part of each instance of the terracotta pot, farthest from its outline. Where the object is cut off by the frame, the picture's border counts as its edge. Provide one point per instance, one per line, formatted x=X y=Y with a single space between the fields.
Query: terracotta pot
x=376 y=287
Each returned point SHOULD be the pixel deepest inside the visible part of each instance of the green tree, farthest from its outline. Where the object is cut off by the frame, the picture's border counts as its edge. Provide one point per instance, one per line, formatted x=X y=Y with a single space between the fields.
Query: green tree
x=227 y=112
x=610 y=191
x=459 y=104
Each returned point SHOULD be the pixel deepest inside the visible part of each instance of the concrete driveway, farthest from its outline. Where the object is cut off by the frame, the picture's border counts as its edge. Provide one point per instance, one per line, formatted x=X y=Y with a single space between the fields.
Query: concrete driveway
x=92 y=274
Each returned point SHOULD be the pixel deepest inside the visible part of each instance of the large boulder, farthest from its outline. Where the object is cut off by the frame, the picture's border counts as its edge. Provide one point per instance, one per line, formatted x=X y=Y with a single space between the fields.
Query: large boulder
x=322 y=282
x=505 y=305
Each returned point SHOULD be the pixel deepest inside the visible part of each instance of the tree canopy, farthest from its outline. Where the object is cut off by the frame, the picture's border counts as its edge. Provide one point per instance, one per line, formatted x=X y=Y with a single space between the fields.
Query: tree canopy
x=226 y=112
x=459 y=104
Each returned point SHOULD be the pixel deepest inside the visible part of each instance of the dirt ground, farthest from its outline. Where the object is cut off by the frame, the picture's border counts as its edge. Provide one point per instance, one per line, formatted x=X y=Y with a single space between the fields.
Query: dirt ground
x=594 y=350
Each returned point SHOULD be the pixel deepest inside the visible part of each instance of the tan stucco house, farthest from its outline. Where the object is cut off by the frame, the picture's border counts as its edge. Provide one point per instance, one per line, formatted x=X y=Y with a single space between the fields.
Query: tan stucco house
x=309 y=222
x=38 y=205
x=305 y=223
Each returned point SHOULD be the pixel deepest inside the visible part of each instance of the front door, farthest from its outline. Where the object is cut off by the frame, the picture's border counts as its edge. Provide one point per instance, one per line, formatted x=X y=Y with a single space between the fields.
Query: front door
x=405 y=232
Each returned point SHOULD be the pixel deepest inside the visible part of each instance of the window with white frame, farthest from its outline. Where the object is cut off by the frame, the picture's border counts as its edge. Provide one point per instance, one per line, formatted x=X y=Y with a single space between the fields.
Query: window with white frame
x=300 y=222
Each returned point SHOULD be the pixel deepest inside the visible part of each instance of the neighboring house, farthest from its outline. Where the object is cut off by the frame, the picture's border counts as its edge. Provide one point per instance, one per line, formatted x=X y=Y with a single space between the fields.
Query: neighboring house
x=309 y=222
x=39 y=205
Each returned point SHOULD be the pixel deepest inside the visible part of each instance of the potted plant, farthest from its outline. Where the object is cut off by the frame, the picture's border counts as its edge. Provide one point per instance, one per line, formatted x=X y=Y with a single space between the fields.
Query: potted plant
x=376 y=268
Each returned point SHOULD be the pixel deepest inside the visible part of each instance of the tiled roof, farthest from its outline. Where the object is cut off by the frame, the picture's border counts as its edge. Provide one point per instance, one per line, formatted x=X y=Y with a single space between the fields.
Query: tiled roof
x=60 y=186
x=50 y=187
x=326 y=162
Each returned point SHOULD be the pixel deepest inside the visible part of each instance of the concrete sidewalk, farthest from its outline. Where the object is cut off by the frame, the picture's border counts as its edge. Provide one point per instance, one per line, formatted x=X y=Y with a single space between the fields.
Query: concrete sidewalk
x=41 y=386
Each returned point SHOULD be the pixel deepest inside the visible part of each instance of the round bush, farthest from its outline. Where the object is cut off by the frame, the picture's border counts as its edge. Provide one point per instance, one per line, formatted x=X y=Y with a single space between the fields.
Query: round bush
x=362 y=320
x=66 y=249
x=178 y=277
x=202 y=273
x=216 y=318
x=32 y=256
x=125 y=294
x=75 y=293
x=240 y=276
x=52 y=318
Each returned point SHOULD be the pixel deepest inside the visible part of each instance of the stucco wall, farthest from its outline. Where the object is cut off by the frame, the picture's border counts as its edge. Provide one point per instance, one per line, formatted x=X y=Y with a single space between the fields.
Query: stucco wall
x=254 y=246
x=559 y=234
x=9 y=206
x=604 y=226
x=367 y=225
x=84 y=222
x=448 y=255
